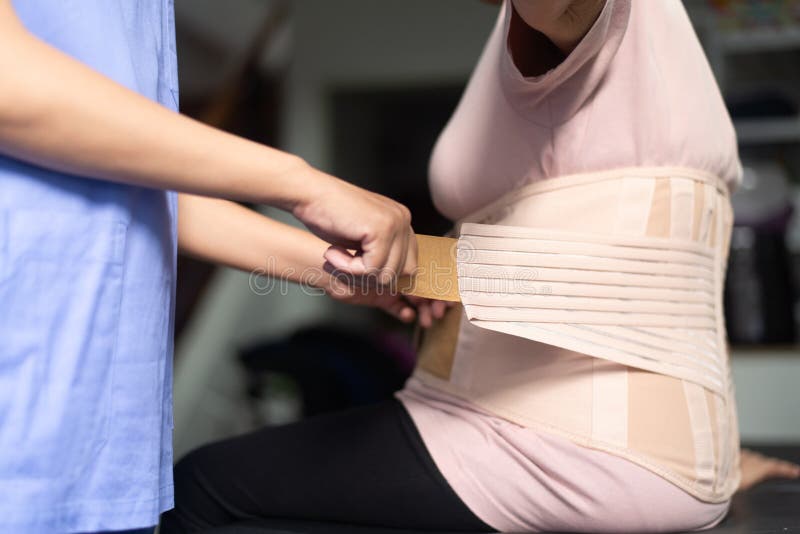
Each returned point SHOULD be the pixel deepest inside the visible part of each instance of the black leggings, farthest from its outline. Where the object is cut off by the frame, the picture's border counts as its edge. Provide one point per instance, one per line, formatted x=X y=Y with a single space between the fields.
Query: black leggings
x=364 y=466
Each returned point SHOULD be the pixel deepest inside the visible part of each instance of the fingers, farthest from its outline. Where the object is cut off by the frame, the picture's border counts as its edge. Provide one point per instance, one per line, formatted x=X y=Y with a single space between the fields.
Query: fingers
x=405 y=308
x=338 y=257
x=394 y=305
x=439 y=307
x=425 y=315
x=428 y=310
x=757 y=468
x=401 y=310
x=380 y=244
x=386 y=252
x=411 y=257
x=341 y=259
x=784 y=469
x=394 y=262
x=341 y=286
x=352 y=218
x=402 y=259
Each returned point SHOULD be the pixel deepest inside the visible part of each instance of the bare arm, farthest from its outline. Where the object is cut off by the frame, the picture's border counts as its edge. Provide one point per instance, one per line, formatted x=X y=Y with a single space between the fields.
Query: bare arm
x=224 y=232
x=55 y=112
x=58 y=113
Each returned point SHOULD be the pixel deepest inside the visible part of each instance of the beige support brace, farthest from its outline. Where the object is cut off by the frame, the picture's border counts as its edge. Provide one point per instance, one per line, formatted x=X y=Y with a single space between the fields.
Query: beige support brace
x=608 y=287
x=584 y=292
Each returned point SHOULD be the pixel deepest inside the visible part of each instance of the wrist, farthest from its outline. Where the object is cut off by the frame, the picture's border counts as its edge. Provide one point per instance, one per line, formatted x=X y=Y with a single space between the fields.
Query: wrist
x=312 y=185
x=277 y=180
x=298 y=184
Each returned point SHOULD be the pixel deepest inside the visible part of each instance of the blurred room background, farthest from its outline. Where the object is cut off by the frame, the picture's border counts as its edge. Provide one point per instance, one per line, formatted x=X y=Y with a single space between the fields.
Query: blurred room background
x=361 y=89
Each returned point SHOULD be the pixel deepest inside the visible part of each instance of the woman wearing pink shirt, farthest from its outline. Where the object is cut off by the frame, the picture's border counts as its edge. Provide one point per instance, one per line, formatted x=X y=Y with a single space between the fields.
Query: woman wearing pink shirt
x=506 y=432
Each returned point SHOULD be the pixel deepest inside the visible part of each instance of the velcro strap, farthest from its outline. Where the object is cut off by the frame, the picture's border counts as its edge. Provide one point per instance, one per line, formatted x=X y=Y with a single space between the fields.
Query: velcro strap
x=436 y=276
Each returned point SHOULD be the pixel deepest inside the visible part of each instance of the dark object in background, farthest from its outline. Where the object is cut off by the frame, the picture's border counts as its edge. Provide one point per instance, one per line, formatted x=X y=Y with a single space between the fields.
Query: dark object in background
x=759 y=297
x=333 y=368
x=383 y=141
x=761 y=104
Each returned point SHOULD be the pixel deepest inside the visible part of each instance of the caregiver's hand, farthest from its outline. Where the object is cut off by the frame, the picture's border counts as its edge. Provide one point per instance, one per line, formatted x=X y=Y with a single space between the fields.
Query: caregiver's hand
x=377 y=228
x=403 y=307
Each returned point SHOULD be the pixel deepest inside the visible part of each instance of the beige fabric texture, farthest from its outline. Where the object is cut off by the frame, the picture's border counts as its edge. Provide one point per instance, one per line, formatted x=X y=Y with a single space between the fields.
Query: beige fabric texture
x=592 y=308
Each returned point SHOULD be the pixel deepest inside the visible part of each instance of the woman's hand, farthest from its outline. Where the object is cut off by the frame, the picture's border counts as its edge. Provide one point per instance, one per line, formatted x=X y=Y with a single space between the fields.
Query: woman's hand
x=757 y=468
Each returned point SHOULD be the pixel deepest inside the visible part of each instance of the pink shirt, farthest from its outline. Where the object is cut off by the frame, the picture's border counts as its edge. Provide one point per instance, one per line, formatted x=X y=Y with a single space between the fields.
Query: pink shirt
x=636 y=91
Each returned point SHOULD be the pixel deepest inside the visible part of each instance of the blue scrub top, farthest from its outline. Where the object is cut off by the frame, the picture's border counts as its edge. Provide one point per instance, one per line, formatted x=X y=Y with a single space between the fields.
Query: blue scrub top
x=87 y=280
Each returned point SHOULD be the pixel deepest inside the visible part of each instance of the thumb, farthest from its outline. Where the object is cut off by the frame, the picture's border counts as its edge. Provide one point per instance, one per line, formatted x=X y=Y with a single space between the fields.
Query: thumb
x=343 y=260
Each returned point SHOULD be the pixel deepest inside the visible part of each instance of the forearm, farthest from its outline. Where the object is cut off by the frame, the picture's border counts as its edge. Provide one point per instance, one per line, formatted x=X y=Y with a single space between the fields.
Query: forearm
x=224 y=232
x=57 y=113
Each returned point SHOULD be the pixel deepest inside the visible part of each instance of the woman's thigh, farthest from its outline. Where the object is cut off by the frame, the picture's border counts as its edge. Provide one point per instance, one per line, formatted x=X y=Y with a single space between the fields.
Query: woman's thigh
x=362 y=466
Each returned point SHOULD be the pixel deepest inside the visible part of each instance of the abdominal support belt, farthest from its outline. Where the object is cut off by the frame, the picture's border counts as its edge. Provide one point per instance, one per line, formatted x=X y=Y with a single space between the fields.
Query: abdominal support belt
x=652 y=302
